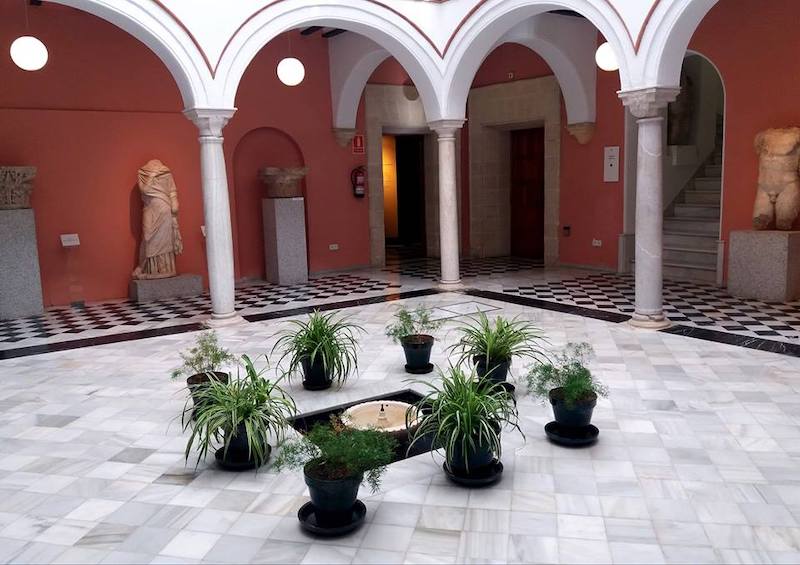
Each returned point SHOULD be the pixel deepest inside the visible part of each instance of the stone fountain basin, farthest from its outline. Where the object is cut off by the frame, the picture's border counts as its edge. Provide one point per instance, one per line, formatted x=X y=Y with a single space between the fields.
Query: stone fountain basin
x=364 y=416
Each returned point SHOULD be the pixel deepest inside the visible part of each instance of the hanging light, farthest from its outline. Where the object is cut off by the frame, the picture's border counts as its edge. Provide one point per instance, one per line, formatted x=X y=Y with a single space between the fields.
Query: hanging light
x=28 y=53
x=291 y=71
x=605 y=58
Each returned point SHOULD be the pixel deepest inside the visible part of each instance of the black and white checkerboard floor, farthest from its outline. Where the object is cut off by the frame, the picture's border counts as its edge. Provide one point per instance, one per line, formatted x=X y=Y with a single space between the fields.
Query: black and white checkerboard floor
x=73 y=322
x=429 y=268
x=685 y=303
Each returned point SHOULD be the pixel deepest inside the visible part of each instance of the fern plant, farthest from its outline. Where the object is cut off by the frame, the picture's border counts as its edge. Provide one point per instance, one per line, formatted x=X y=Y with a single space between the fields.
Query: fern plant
x=249 y=404
x=333 y=452
x=569 y=375
x=411 y=322
x=322 y=338
x=464 y=414
x=205 y=356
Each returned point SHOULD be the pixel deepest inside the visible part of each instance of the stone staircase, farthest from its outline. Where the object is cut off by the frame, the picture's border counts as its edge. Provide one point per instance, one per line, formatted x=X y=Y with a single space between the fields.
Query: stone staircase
x=691 y=223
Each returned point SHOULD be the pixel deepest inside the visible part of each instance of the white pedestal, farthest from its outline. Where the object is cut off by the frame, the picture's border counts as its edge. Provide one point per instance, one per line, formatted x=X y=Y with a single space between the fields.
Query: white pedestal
x=765 y=265
x=20 y=279
x=285 y=240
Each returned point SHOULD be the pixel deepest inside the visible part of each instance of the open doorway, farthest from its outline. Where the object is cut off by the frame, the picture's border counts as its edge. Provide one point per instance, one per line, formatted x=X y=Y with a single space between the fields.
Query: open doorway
x=527 y=193
x=404 y=195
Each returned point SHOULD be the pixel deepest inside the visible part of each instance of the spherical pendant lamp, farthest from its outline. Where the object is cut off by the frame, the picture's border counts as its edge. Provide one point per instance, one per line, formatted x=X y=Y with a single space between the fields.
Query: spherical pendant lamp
x=605 y=58
x=28 y=53
x=291 y=71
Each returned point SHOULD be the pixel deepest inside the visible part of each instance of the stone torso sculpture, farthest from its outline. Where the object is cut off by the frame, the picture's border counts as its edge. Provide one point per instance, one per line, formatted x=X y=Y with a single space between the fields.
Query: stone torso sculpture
x=778 y=196
x=161 y=238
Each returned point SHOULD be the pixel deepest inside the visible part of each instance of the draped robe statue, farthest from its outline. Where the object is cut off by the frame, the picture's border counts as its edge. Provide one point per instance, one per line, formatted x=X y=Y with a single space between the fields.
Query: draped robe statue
x=161 y=238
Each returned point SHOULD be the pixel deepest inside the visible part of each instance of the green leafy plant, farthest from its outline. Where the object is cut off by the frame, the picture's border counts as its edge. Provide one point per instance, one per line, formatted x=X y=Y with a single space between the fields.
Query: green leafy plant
x=205 y=356
x=322 y=337
x=248 y=404
x=569 y=374
x=498 y=342
x=463 y=413
x=332 y=452
x=411 y=322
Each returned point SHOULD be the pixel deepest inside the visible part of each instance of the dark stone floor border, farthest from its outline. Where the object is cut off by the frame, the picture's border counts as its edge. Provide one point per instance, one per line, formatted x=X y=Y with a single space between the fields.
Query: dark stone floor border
x=759 y=344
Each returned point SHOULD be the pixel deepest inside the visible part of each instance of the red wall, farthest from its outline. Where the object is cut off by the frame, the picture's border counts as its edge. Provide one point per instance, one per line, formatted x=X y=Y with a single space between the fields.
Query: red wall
x=304 y=114
x=759 y=71
x=88 y=122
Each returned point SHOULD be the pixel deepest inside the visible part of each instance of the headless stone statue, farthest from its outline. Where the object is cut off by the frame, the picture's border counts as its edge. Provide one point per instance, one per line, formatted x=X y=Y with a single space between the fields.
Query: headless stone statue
x=161 y=238
x=778 y=196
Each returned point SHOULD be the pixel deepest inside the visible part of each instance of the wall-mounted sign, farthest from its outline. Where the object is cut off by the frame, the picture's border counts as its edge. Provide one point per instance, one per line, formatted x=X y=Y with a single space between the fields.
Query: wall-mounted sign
x=611 y=164
x=70 y=240
x=358 y=144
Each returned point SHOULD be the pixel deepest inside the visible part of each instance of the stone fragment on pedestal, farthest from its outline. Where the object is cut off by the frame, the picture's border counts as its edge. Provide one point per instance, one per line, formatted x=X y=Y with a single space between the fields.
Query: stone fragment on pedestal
x=764 y=265
x=20 y=278
x=285 y=240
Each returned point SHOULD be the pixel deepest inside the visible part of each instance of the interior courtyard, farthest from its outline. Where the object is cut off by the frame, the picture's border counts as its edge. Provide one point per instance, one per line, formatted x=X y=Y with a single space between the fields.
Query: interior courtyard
x=622 y=175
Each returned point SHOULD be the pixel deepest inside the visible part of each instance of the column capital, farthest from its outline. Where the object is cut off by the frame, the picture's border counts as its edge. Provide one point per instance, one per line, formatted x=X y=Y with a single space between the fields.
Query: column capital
x=648 y=102
x=446 y=128
x=209 y=121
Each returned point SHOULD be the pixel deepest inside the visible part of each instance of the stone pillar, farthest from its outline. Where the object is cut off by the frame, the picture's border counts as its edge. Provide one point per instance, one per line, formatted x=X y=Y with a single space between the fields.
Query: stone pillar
x=646 y=106
x=448 y=199
x=216 y=207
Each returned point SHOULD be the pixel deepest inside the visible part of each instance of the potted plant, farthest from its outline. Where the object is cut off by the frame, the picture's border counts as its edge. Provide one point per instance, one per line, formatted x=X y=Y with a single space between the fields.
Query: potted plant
x=324 y=347
x=571 y=388
x=335 y=460
x=242 y=415
x=493 y=346
x=409 y=329
x=465 y=416
x=203 y=363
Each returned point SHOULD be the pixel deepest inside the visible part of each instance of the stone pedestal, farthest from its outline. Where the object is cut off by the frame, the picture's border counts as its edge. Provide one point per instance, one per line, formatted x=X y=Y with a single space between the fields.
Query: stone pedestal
x=285 y=240
x=765 y=265
x=20 y=280
x=149 y=290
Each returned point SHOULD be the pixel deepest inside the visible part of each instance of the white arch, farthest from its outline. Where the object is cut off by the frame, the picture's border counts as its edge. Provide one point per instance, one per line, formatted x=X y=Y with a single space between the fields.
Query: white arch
x=157 y=29
x=568 y=46
x=667 y=37
x=352 y=59
x=485 y=28
x=401 y=39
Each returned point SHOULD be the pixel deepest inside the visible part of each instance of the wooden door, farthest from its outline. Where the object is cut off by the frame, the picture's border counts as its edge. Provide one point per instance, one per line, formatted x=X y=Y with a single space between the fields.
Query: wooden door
x=527 y=193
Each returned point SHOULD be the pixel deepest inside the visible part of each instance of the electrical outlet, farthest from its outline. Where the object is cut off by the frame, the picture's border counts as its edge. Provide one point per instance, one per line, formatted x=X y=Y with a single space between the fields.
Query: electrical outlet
x=333 y=247
x=597 y=243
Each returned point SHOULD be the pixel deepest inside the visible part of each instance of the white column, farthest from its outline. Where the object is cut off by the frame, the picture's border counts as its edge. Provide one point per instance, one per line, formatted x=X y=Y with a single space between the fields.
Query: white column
x=448 y=199
x=646 y=106
x=216 y=206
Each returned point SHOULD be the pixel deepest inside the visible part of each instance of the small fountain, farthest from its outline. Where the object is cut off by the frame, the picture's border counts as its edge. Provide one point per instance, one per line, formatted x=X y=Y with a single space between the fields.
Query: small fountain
x=385 y=415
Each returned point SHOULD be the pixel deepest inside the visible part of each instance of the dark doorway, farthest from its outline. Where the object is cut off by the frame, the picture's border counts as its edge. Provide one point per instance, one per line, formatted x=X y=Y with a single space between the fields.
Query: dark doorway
x=527 y=193
x=408 y=239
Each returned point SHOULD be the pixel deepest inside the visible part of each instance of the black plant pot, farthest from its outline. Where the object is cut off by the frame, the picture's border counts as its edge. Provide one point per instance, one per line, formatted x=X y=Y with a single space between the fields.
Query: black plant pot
x=473 y=462
x=496 y=371
x=417 y=348
x=333 y=499
x=578 y=415
x=196 y=382
x=238 y=457
x=314 y=375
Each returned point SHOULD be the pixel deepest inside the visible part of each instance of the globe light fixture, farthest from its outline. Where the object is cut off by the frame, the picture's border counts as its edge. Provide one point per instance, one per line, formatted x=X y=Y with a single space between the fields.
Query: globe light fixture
x=291 y=71
x=28 y=53
x=605 y=58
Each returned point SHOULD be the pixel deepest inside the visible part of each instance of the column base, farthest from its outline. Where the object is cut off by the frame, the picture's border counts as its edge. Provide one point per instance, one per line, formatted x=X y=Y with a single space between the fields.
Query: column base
x=450 y=285
x=217 y=321
x=644 y=322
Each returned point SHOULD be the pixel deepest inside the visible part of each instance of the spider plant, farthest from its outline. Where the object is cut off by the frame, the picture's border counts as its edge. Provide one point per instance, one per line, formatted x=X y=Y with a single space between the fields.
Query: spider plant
x=241 y=415
x=324 y=346
x=464 y=416
x=493 y=345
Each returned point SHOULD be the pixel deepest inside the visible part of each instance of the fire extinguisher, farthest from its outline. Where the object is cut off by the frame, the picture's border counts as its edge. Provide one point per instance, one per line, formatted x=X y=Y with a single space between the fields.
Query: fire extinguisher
x=359 y=180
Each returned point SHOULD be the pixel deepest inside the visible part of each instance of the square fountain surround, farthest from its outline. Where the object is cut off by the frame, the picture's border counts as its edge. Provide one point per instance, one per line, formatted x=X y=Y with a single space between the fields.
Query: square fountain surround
x=303 y=422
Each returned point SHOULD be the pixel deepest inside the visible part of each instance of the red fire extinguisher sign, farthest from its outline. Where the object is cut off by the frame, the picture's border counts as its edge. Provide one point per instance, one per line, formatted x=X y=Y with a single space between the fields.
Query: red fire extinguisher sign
x=358 y=144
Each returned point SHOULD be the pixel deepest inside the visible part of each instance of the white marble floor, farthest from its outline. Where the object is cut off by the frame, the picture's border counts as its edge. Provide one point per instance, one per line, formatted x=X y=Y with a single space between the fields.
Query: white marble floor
x=697 y=462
